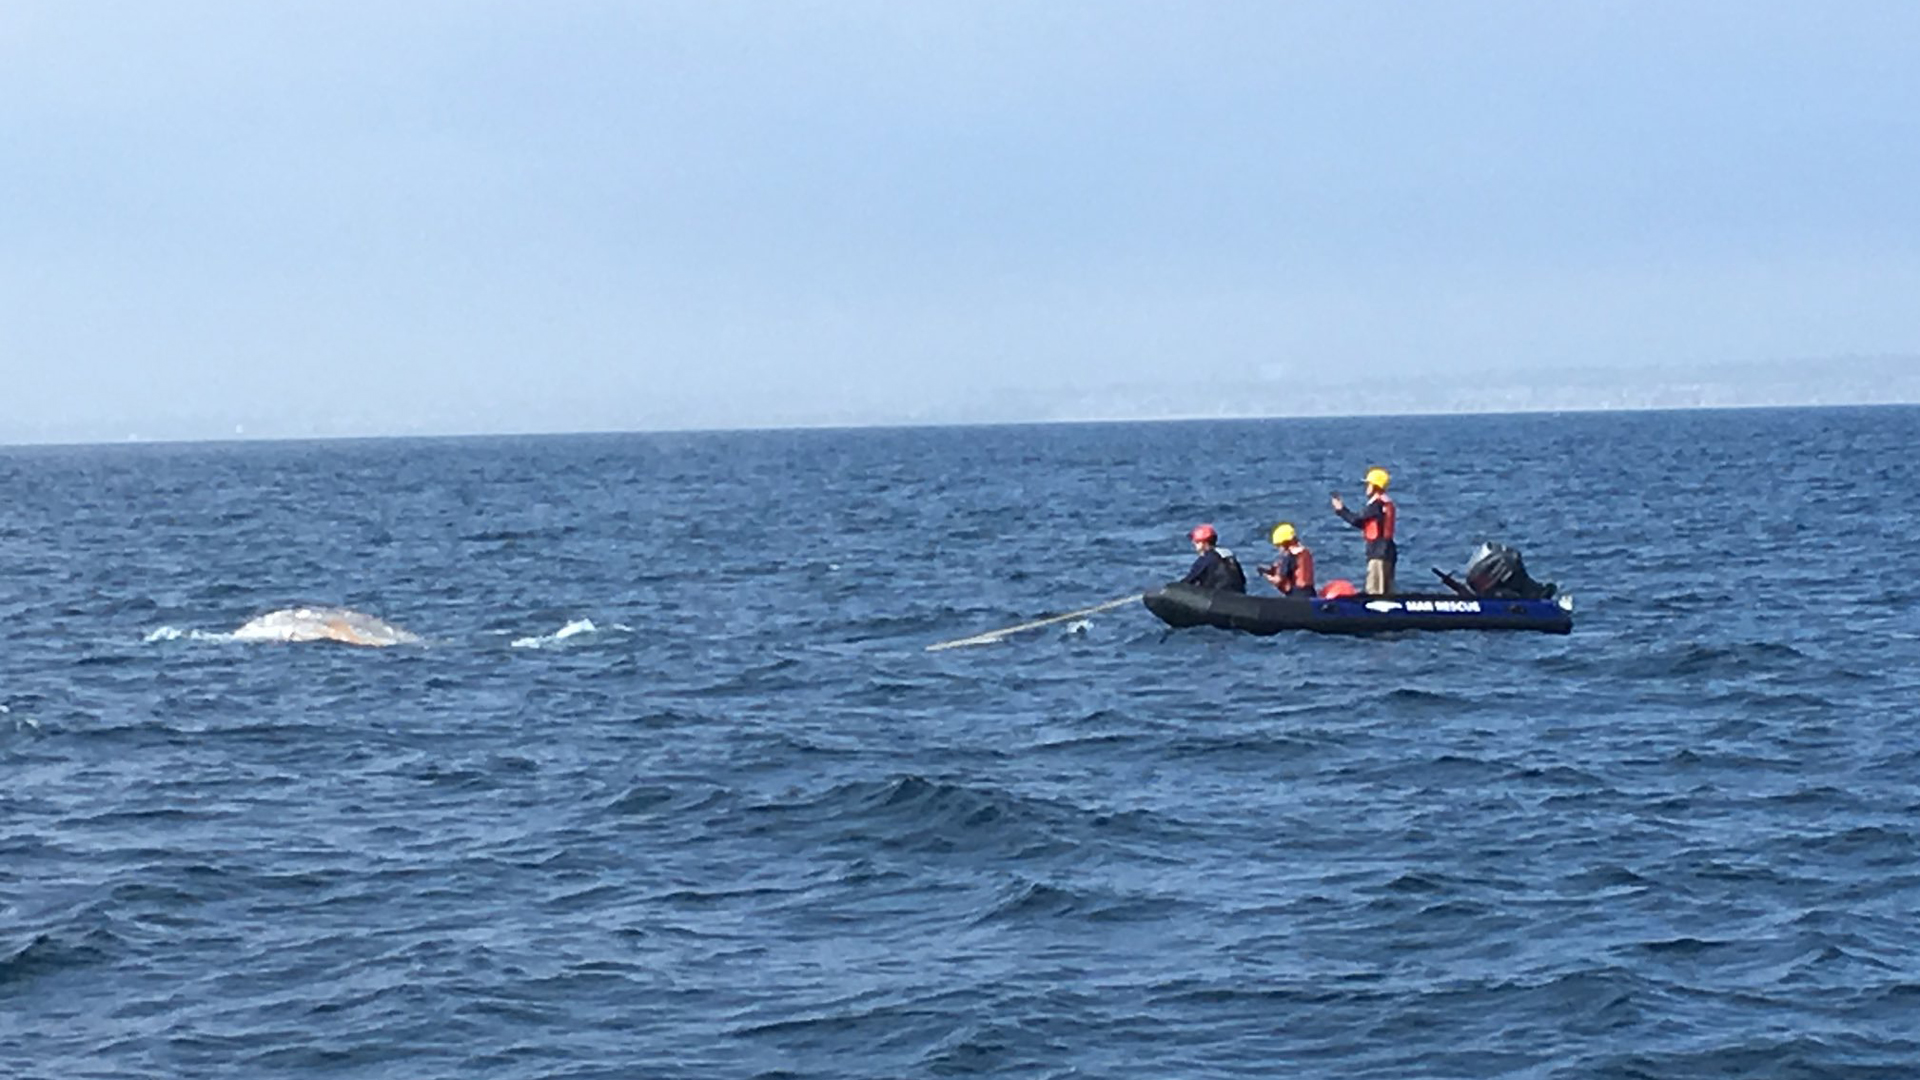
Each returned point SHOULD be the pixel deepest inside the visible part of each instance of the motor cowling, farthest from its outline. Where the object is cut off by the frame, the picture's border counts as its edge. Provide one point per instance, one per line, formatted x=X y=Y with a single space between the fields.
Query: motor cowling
x=1497 y=570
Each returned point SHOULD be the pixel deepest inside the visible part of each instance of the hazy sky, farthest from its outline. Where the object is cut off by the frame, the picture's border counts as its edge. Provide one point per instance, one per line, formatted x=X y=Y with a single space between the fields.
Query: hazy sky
x=344 y=217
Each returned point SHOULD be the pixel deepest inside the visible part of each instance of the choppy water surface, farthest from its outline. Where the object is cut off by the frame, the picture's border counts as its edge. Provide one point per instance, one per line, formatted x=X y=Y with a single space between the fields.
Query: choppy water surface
x=673 y=789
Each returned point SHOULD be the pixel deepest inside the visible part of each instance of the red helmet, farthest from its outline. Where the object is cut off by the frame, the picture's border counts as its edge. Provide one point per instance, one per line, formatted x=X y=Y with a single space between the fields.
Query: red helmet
x=1203 y=533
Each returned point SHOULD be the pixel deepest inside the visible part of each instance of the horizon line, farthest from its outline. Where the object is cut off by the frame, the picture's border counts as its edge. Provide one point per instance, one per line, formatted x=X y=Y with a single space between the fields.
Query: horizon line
x=909 y=425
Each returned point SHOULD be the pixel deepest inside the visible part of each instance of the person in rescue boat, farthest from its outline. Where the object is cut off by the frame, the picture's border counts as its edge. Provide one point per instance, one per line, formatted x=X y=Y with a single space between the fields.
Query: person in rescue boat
x=1215 y=567
x=1375 y=521
x=1292 y=569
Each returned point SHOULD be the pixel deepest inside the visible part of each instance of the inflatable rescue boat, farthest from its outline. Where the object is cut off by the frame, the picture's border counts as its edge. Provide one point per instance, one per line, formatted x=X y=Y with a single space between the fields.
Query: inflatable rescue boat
x=1497 y=595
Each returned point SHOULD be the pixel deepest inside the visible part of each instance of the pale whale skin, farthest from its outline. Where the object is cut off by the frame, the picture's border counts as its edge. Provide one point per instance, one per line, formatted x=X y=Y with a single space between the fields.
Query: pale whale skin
x=324 y=624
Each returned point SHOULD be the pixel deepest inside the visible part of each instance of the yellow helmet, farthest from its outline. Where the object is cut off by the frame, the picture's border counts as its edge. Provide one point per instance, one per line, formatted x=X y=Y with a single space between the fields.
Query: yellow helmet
x=1282 y=534
x=1378 y=478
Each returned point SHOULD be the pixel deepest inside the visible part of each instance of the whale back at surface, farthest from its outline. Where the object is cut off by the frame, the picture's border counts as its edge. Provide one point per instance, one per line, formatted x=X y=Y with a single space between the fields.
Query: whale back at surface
x=324 y=624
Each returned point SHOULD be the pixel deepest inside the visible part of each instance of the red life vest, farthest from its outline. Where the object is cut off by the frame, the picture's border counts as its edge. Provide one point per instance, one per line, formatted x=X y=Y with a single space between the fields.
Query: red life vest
x=1381 y=528
x=1302 y=568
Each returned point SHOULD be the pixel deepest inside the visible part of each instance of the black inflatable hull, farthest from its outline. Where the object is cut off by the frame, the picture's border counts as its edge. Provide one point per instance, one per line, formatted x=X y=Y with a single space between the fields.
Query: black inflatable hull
x=1184 y=605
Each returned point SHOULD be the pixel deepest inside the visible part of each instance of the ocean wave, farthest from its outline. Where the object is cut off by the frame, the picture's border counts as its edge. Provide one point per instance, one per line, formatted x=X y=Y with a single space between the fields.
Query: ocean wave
x=39 y=953
x=509 y=536
x=1867 y=845
x=1723 y=660
x=647 y=800
x=1761 y=1056
x=914 y=815
x=1025 y=901
x=48 y=953
x=1248 y=748
x=876 y=1019
x=1606 y=879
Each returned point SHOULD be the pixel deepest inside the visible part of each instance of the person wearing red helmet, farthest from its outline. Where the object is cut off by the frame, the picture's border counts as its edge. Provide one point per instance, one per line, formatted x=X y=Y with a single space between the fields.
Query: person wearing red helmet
x=1215 y=567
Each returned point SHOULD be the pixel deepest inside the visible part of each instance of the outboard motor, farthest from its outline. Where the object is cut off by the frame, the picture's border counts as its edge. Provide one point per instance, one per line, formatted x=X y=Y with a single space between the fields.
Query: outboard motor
x=1496 y=570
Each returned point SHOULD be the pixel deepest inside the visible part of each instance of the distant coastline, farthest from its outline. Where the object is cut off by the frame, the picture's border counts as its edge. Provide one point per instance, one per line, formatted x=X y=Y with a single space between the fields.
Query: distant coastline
x=1306 y=392
x=1313 y=392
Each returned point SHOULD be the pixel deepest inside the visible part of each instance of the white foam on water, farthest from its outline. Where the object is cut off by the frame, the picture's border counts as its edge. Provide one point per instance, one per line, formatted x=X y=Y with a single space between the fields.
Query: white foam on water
x=573 y=629
x=174 y=633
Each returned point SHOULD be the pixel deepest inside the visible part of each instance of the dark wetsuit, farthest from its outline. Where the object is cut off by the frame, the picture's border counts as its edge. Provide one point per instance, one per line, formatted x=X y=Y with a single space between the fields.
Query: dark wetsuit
x=1216 y=568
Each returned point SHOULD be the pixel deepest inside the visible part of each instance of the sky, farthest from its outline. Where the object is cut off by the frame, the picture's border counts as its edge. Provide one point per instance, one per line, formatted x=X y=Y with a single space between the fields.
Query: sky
x=335 y=217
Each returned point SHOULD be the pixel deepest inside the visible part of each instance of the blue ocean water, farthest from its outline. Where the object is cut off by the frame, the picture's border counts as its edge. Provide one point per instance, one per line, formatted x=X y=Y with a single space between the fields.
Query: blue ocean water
x=673 y=788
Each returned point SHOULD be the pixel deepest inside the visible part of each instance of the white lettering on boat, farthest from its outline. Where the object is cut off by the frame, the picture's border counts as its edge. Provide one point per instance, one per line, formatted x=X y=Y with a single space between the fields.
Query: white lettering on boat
x=1444 y=605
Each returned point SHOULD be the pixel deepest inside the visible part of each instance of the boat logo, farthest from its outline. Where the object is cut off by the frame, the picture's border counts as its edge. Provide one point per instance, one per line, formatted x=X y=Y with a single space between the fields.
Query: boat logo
x=1455 y=606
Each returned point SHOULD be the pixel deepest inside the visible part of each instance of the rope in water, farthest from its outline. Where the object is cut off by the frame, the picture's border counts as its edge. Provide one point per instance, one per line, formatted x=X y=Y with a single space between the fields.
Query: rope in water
x=996 y=635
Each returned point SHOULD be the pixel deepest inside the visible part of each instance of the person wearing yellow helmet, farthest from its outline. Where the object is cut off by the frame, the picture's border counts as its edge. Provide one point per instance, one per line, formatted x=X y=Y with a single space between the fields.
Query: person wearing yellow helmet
x=1292 y=569
x=1214 y=567
x=1376 y=522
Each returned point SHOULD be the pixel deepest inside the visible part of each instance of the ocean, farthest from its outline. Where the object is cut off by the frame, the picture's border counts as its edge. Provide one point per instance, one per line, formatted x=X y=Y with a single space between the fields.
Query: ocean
x=673 y=788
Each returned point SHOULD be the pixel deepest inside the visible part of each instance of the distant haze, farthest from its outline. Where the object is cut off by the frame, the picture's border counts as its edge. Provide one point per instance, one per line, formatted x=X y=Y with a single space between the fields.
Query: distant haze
x=345 y=218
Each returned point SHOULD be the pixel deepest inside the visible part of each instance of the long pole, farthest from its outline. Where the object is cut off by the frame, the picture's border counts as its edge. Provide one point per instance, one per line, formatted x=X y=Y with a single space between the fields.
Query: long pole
x=996 y=635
